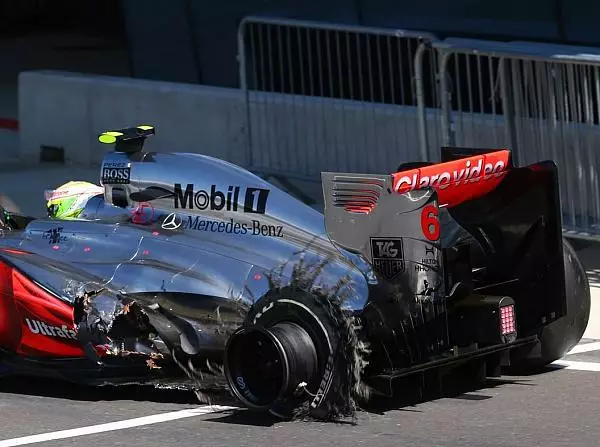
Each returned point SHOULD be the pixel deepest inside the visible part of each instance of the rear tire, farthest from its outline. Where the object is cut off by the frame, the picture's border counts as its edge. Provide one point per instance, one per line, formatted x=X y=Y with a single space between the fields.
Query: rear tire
x=331 y=334
x=560 y=336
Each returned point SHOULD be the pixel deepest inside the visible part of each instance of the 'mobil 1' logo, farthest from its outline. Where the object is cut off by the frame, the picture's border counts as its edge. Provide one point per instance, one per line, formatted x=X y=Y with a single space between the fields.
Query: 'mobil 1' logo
x=255 y=199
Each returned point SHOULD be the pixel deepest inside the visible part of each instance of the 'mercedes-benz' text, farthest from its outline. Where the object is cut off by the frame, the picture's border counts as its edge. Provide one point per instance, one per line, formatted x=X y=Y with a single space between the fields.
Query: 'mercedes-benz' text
x=254 y=228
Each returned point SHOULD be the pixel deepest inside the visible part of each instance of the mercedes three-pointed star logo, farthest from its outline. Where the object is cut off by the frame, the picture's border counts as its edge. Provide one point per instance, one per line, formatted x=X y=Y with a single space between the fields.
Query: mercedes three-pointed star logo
x=171 y=222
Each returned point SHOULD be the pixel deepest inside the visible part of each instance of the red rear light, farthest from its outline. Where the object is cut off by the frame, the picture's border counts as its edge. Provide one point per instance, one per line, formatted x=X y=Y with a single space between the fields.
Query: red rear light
x=508 y=323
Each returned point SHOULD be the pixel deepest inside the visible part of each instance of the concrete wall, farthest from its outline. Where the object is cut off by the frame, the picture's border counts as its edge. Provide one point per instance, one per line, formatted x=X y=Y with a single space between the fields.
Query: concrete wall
x=69 y=110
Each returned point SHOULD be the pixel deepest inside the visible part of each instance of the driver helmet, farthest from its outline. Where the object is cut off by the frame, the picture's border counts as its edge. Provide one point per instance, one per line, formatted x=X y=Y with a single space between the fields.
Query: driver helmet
x=68 y=200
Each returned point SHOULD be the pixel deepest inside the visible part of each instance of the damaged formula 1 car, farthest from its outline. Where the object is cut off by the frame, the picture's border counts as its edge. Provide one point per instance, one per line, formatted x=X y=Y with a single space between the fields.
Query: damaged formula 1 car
x=190 y=269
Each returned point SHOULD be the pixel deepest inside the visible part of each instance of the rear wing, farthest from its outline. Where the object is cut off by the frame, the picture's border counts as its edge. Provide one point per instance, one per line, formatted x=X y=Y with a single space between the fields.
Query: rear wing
x=460 y=177
x=514 y=214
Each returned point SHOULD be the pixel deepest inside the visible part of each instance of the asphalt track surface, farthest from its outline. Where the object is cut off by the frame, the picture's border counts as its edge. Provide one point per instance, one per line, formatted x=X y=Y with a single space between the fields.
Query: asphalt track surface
x=557 y=407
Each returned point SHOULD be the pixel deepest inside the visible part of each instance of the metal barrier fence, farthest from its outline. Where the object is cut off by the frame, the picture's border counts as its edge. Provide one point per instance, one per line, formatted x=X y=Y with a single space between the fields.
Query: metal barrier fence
x=335 y=97
x=540 y=100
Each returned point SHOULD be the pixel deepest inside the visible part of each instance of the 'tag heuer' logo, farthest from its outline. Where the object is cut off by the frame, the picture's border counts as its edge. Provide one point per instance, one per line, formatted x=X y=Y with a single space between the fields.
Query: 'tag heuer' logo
x=388 y=256
x=458 y=180
x=255 y=199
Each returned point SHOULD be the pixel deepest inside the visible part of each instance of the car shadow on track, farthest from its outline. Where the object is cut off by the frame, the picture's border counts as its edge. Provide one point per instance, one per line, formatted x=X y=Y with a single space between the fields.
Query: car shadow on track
x=406 y=402
x=547 y=369
x=65 y=390
x=245 y=417
x=408 y=398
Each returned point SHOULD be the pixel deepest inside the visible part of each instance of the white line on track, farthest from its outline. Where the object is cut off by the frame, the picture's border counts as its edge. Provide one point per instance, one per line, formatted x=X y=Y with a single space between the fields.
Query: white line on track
x=570 y=364
x=585 y=347
x=111 y=426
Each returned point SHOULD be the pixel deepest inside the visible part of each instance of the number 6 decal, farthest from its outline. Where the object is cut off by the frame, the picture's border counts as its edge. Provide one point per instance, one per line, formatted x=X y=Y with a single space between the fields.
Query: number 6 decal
x=430 y=225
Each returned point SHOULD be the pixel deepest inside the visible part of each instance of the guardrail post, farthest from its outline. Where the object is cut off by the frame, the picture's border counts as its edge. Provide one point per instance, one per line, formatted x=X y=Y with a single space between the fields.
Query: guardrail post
x=508 y=108
x=423 y=141
x=445 y=95
x=243 y=73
